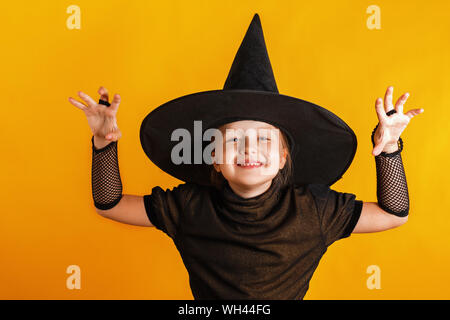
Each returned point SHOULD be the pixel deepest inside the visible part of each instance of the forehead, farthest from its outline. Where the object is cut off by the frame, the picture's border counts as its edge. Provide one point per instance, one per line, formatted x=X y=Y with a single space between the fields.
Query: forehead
x=247 y=124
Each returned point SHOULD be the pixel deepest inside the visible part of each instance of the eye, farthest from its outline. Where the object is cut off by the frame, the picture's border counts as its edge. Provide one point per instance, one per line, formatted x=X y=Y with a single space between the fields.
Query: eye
x=233 y=139
x=264 y=138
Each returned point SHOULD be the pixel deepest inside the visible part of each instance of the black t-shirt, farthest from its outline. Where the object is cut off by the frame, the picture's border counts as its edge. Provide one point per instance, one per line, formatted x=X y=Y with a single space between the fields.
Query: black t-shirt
x=265 y=247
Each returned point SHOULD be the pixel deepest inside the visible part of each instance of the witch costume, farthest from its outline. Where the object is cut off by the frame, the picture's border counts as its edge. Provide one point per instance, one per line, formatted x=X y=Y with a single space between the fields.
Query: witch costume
x=268 y=246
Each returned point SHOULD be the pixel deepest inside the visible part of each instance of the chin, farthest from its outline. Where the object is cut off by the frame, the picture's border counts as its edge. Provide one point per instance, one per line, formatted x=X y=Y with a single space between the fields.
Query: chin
x=249 y=181
x=249 y=178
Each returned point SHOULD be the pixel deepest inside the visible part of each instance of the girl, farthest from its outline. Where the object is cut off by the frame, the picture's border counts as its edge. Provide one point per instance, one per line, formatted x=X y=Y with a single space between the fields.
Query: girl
x=256 y=225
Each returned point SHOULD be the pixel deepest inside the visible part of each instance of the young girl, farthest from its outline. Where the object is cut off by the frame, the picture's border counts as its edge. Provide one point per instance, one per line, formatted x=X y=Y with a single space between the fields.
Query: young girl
x=256 y=225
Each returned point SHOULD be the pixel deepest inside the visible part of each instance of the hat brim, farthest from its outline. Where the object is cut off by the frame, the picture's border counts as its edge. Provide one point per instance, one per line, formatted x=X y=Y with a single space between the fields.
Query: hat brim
x=322 y=145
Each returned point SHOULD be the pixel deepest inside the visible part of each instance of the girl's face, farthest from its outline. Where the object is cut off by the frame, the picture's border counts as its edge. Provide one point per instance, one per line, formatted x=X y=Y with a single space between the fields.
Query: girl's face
x=249 y=142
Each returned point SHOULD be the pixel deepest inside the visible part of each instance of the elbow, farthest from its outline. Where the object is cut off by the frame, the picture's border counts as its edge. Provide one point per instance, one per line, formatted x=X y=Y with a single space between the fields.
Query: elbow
x=99 y=211
x=102 y=213
x=397 y=218
x=104 y=209
x=399 y=221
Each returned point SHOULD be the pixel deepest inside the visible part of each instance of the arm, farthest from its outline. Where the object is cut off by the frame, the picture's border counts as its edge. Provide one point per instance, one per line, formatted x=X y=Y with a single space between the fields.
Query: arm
x=107 y=187
x=392 y=208
x=375 y=219
x=129 y=210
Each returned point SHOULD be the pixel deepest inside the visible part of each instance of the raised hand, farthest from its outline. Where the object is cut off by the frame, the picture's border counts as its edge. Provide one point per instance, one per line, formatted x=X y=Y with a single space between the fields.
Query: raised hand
x=391 y=127
x=101 y=119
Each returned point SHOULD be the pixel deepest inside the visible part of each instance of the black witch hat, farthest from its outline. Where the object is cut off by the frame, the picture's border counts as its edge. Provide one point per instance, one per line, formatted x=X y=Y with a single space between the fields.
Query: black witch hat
x=322 y=145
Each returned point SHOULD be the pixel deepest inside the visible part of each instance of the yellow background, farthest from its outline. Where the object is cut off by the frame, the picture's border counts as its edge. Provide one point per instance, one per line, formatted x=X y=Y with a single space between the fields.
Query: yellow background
x=151 y=52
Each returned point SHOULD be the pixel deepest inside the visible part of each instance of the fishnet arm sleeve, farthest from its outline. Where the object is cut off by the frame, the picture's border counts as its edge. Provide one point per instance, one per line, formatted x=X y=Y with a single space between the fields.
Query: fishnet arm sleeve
x=106 y=183
x=392 y=189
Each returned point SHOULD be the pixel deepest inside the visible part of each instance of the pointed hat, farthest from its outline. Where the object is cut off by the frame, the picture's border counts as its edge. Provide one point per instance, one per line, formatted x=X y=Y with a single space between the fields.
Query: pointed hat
x=322 y=145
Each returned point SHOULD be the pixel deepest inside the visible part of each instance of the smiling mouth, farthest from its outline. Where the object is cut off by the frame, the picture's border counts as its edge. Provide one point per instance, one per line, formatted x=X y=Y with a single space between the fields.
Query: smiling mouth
x=250 y=165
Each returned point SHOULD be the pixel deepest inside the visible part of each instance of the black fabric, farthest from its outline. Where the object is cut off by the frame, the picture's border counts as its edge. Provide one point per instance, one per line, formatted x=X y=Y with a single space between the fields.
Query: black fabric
x=105 y=179
x=335 y=224
x=251 y=68
x=392 y=187
x=265 y=247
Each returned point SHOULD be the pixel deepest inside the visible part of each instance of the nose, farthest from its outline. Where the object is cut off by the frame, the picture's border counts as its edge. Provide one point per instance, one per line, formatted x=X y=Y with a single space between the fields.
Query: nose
x=248 y=146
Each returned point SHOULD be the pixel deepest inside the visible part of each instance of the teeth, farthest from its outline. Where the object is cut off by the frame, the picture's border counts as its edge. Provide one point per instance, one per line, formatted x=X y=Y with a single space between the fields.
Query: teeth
x=249 y=164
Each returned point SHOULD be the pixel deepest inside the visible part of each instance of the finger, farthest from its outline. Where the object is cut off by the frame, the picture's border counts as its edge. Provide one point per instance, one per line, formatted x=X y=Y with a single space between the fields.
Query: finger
x=115 y=102
x=414 y=112
x=388 y=99
x=400 y=102
x=77 y=104
x=103 y=92
x=87 y=99
x=382 y=117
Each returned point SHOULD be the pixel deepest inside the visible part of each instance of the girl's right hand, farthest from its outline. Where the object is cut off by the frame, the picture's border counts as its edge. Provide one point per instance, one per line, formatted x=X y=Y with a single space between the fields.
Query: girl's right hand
x=101 y=119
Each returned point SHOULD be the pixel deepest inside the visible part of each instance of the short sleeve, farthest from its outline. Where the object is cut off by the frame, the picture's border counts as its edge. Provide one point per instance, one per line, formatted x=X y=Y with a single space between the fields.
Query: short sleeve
x=164 y=208
x=338 y=212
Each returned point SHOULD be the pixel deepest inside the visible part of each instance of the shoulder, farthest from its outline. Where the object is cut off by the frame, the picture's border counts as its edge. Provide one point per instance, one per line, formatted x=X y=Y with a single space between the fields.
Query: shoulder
x=182 y=192
x=191 y=189
x=182 y=187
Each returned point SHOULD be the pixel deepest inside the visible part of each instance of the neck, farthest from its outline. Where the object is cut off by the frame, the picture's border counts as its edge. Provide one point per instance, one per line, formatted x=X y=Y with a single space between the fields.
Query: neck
x=246 y=191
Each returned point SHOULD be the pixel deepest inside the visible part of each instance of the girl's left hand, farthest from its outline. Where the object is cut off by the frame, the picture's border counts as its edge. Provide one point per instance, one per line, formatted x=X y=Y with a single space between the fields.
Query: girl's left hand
x=391 y=127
